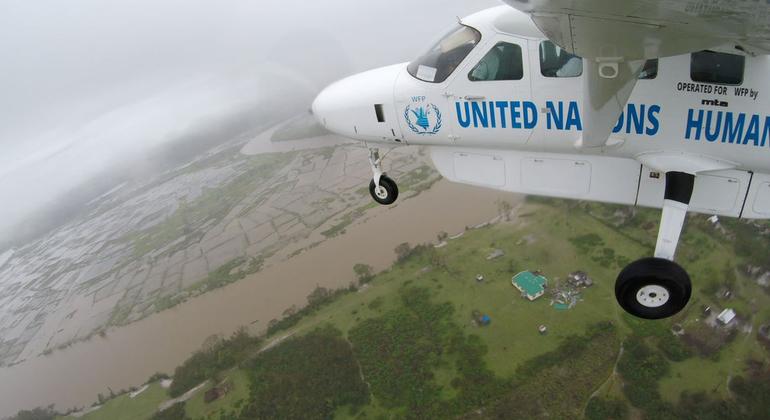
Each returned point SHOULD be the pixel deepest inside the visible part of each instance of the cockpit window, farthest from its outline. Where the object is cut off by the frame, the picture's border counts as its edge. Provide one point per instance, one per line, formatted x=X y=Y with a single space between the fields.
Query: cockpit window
x=502 y=62
x=555 y=62
x=443 y=58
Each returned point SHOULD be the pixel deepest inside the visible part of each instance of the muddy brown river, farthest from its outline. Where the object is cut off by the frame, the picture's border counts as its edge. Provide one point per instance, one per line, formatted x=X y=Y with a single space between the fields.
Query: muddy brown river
x=129 y=355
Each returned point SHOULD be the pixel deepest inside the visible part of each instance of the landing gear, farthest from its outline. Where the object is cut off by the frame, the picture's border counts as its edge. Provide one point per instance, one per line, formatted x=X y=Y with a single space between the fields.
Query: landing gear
x=653 y=288
x=382 y=189
x=657 y=287
x=386 y=193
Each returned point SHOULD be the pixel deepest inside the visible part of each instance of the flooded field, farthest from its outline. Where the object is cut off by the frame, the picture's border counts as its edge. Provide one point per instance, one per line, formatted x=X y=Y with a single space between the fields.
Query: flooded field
x=128 y=355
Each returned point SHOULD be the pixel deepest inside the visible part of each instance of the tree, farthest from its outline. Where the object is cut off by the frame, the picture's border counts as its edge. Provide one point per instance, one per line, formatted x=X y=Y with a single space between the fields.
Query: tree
x=603 y=409
x=403 y=250
x=442 y=236
x=317 y=296
x=38 y=413
x=437 y=259
x=293 y=308
x=364 y=272
x=211 y=341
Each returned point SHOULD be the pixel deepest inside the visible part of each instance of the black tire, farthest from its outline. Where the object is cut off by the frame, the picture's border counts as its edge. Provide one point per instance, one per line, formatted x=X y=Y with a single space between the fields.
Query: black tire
x=653 y=288
x=388 y=191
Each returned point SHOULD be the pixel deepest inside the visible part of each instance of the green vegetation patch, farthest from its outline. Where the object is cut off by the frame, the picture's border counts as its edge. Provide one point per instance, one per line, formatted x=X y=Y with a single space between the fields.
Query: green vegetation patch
x=557 y=384
x=401 y=351
x=606 y=409
x=305 y=378
x=143 y=406
x=175 y=412
x=216 y=356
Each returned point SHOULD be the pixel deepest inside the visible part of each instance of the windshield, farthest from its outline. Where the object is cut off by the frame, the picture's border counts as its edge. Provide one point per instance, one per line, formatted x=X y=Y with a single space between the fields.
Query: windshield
x=442 y=58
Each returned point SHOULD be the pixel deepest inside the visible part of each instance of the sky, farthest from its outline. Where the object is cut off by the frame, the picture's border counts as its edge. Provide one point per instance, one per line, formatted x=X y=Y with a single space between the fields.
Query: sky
x=88 y=85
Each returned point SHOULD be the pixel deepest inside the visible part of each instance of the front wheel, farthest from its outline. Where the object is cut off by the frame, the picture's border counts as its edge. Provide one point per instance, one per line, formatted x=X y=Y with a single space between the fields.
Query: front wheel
x=386 y=193
x=653 y=288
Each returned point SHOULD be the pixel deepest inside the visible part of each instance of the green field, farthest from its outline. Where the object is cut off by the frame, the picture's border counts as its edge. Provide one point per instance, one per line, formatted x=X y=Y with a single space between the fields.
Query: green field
x=412 y=331
x=142 y=406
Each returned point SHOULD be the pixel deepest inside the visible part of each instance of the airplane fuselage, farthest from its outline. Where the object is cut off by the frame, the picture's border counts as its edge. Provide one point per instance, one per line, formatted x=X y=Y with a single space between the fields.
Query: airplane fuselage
x=501 y=106
x=519 y=132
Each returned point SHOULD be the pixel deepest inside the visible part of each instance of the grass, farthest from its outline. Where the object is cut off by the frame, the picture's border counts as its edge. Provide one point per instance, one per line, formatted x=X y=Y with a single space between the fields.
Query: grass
x=143 y=406
x=695 y=374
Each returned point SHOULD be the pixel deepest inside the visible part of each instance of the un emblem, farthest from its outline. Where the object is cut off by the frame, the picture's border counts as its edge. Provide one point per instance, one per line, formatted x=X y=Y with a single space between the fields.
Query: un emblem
x=423 y=119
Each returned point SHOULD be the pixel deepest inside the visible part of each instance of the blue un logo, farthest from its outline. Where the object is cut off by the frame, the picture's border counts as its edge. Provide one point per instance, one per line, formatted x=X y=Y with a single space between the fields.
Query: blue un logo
x=424 y=119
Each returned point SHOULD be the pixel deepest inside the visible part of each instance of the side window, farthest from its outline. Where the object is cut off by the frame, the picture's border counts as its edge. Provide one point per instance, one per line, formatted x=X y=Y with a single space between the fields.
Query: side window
x=502 y=62
x=555 y=62
x=650 y=70
x=715 y=67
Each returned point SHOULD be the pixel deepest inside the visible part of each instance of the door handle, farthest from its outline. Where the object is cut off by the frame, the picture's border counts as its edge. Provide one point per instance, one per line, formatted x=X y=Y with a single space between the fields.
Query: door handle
x=474 y=98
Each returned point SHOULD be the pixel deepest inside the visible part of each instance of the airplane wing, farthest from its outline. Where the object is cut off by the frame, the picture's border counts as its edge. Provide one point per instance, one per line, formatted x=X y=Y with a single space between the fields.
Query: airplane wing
x=639 y=29
x=616 y=36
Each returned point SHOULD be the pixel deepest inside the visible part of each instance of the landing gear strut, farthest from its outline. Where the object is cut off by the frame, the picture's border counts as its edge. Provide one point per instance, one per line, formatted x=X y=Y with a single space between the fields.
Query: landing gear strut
x=382 y=189
x=657 y=287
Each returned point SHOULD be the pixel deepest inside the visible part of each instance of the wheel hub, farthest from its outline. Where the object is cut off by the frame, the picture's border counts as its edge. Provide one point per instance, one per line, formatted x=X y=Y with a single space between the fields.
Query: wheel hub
x=652 y=296
x=381 y=192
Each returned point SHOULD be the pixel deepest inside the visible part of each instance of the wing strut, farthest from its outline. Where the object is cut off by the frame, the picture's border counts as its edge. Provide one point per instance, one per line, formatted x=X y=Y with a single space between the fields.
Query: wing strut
x=606 y=88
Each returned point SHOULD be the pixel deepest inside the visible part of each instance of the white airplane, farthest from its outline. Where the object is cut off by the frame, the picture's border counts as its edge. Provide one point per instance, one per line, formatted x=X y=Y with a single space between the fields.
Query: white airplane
x=667 y=108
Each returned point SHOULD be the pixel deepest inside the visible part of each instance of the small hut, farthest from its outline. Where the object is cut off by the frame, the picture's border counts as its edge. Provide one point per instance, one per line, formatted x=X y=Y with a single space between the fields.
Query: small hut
x=726 y=316
x=213 y=394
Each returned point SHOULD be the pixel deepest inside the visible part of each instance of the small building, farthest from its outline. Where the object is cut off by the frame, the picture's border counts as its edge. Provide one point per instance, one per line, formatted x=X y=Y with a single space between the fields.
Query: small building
x=479 y=278
x=542 y=329
x=726 y=316
x=531 y=285
x=485 y=319
x=579 y=279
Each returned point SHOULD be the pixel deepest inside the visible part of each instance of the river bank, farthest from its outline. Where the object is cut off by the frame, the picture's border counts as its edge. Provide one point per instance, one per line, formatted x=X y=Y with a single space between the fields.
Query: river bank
x=128 y=355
